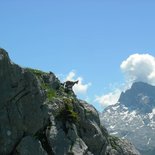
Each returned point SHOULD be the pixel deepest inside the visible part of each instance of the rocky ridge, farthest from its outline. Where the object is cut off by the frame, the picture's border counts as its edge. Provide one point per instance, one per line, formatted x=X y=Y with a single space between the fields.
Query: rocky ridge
x=38 y=117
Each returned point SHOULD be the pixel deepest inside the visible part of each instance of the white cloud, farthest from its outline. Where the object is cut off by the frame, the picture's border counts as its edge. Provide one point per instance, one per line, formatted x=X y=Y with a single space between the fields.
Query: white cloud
x=112 y=97
x=70 y=76
x=139 y=67
x=108 y=99
x=79 y=88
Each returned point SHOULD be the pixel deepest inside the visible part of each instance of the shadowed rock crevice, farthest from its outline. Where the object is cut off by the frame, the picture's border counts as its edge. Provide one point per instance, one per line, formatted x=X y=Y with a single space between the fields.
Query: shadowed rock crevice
x=41 y=136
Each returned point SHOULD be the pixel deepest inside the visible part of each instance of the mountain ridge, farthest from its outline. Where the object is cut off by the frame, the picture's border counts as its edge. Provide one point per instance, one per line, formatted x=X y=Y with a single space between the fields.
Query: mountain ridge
x=38 y=116
x=139 y=96
x=133 y=117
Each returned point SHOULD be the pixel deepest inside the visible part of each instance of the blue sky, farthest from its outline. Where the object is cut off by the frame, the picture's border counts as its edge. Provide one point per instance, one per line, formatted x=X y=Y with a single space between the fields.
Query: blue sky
x=89 y=38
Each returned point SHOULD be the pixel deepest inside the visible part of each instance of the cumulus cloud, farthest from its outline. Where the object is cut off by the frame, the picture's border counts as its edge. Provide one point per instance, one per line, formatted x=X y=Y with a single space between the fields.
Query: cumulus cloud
x=139 y=67
x=79 y=88
x=109 y=98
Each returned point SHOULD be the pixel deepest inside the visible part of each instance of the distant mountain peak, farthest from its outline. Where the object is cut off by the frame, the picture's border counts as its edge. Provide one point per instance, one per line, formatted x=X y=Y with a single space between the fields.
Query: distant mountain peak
x=141 y=84
x=141 y=97
x=133 y=117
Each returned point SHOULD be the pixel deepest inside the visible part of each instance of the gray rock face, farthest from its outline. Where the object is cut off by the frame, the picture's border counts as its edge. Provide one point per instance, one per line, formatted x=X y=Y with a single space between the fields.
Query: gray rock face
x=123 y=147
x=29 y=146
x=21 y=107
x=38 y=117
x=133 y=117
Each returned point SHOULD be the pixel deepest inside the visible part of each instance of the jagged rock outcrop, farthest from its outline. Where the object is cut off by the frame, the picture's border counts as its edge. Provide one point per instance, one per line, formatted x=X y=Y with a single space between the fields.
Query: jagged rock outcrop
x=133 y=117
x=38 y=117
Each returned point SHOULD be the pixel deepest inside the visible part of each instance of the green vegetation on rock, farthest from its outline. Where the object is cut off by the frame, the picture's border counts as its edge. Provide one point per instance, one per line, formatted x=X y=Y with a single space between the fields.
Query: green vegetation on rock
x=50 y=92
x=68 y=114
x=113 y=141
x=36 y=71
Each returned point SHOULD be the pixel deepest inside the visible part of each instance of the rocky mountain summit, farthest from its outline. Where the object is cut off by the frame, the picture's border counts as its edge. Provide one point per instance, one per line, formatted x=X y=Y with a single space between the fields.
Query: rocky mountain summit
x=39 y=117
x=133 y=117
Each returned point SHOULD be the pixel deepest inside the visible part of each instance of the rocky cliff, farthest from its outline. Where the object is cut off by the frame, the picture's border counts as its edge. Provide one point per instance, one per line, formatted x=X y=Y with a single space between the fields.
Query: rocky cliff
x=39 y=117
